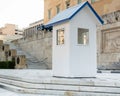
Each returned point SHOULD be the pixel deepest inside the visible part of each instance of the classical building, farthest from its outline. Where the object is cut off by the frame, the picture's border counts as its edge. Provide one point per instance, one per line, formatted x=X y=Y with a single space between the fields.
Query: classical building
x=108 y=35
x=101 y=6
x=33 y=28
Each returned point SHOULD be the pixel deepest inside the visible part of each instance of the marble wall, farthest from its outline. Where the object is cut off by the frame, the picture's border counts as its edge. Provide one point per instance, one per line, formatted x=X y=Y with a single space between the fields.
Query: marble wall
x=39 y=45
x=108 y=37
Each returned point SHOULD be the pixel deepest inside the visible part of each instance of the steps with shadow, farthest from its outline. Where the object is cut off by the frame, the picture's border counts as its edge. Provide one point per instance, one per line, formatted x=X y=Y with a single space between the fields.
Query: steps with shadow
x=61 y=86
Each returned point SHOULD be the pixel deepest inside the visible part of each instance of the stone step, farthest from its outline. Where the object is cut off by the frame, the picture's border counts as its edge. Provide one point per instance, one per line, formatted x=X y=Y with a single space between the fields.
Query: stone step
x=60 y=86
x=4 y=92
x=36 y=65
x=32 y=62
x=60 y=81
x=54 y=92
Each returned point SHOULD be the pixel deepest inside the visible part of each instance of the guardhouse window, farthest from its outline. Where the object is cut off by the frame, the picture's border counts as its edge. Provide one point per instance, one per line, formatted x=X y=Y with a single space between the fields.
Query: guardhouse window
x=49 y=14
x=60 y=36
x=83 y=36
x=67 y=4
x=58 y=8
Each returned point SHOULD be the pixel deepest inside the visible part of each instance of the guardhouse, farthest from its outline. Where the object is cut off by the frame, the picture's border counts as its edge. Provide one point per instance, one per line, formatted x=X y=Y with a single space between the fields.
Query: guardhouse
x=74 y=41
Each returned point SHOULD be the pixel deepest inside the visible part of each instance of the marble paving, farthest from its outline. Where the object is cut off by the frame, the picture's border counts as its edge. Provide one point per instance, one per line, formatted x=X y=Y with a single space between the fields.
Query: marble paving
x=4 y=92
x=42 y=82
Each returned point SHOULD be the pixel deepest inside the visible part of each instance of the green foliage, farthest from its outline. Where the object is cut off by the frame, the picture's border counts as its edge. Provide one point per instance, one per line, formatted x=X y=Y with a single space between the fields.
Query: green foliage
x=7 y=64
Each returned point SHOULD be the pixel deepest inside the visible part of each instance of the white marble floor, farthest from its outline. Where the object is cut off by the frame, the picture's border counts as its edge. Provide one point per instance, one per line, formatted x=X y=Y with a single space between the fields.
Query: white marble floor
x=37 y=75
x=4 y=92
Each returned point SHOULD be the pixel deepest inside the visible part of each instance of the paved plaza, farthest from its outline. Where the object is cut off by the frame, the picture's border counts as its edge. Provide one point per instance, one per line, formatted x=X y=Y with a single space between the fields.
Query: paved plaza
x=20 y=82
x=4 y=92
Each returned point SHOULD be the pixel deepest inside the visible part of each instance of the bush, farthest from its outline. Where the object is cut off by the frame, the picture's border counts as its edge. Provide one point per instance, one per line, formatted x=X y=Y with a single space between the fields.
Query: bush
x=7 y=64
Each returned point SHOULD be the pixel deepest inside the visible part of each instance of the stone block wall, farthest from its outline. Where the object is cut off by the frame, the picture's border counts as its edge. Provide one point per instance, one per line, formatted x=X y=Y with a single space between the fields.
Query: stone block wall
x=108 y=41
x=7 y=54
x=39 y=45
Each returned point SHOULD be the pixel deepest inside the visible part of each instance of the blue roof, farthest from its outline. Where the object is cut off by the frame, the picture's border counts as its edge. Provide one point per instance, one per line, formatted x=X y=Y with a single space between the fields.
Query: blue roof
x=67 y=14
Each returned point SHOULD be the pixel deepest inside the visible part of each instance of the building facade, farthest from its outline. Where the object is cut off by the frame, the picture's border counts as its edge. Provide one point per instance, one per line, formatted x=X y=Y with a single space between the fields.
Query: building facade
x=32 y=29
x=9 y=29
x=101 y=6
x=108 y=35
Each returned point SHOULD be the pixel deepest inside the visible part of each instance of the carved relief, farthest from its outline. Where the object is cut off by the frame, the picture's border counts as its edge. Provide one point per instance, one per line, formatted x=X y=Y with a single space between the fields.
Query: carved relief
x=111 y=17
x=111 y=41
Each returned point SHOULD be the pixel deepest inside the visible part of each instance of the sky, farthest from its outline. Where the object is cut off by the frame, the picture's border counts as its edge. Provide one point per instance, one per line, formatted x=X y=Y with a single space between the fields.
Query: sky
x=21 y=12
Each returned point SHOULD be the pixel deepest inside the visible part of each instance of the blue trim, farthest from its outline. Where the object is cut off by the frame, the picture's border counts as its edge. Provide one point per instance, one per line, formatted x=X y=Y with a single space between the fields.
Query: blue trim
x=98 y=17
x=86 y=3
x=64 y=20
x=79 y=10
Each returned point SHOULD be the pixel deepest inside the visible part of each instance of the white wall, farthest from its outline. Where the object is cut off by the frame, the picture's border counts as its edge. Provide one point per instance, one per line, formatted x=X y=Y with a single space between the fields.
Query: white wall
x=83 y=57
x=60 y=53
x=71 y=59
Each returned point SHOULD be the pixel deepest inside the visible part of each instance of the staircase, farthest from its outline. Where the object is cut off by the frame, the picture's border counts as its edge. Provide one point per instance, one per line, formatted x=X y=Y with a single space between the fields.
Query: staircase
x=48 y=85
x=32 y=62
